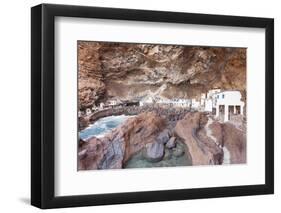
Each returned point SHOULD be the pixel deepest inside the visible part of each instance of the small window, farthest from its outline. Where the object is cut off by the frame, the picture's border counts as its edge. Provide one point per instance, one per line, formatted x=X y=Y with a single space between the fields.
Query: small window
x=222 y=96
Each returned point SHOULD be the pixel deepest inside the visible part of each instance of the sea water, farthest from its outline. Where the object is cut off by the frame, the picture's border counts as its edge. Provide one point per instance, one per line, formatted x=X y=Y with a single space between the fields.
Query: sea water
x=169 y=160
x=102 y=126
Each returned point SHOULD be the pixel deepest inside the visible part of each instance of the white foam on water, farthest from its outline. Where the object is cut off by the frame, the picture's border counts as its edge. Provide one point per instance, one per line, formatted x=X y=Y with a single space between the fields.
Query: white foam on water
x=102 y=126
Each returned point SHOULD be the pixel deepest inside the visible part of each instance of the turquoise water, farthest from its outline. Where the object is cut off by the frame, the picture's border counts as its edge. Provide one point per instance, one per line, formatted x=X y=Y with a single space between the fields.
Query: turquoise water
x=171 y=158
x=102 y=126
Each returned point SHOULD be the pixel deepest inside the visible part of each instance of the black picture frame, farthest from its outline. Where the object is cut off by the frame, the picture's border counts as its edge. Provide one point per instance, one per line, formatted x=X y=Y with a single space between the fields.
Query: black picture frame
x=43 y=102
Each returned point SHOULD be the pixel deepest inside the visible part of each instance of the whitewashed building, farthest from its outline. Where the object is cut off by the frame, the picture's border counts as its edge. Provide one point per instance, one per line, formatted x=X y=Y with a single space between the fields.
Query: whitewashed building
x=88 y=111
x=79 y=114
x=208 y=105
x=94 y=108
x=101 y=105
x=228 y=103
x=195 y=104
x=202 y=99
x=213 y=92
x=210 y=100
x=223 y=103
x=185 y=103
x=175 y=102
x=146 y=101
x=112 y=102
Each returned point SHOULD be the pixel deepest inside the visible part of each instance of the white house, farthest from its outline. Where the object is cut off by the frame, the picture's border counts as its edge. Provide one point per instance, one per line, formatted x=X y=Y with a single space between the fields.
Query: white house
x=176 y=102
x=213 y=92
x=146 y=101
x=184 y=103
x=101 y=105
x=208 y=107
x=112 y=102
x=179 y=102
x=195 y=104
x=210 y=101
x=224 y=103
x=202 y=99
x=94 y=108
x=79 y=114
x=88 y=111
x=227 y=103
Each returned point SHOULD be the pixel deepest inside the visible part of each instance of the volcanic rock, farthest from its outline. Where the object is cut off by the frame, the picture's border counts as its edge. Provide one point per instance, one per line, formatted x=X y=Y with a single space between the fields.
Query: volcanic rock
x=114 y=149
x=131 y=71
x=171 y=143
x=164 y=136
x=83 y=122
x=235 y=142
x=154 y=151
x=113 y=156
x=201 y=152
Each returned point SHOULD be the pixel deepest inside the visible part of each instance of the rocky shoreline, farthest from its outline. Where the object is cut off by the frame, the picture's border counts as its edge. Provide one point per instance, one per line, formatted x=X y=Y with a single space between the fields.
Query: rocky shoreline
x=157 y=135
x=170 y=114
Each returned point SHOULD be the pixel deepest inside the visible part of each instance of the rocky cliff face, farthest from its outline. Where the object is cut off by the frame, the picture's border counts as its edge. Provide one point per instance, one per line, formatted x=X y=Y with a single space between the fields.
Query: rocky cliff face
x=131 y=71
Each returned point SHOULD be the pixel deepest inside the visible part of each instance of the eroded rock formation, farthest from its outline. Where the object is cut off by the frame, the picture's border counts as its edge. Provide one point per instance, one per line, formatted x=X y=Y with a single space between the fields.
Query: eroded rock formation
x=130 y=71
x=206 y=142
x=235 y=142
x=203 y=152
x=113 y=150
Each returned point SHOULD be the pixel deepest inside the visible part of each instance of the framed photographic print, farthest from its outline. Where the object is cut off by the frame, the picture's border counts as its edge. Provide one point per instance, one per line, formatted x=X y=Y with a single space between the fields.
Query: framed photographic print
x=140 y=106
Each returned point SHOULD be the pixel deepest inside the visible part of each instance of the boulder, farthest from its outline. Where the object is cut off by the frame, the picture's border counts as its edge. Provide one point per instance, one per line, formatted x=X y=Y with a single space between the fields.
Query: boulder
x=171 y=143
x=154 y=152
x=164 y=136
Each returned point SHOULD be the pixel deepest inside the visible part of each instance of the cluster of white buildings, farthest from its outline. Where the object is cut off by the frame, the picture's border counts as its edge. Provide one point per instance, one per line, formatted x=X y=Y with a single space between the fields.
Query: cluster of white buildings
x=108 y=104
x=223 y=104
x=175 y=102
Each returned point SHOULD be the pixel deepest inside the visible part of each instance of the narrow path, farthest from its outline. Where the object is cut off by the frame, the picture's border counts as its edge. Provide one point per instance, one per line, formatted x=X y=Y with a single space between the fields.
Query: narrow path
x=226 y=156
x=226 y=153
x=209 y=132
